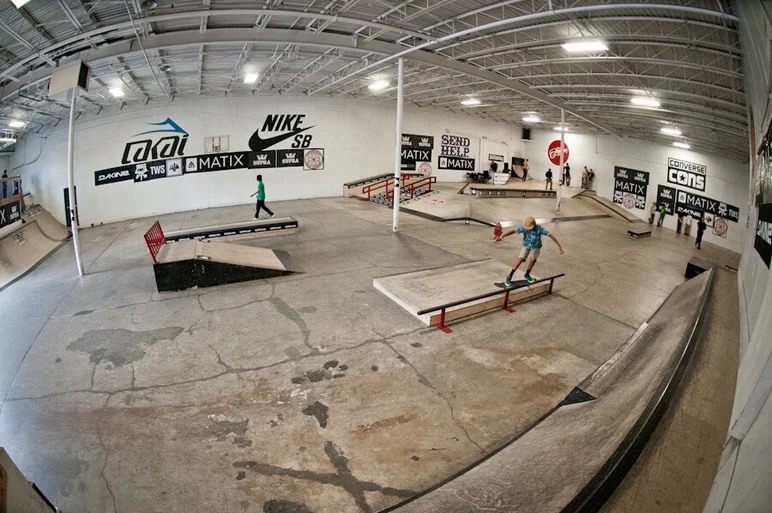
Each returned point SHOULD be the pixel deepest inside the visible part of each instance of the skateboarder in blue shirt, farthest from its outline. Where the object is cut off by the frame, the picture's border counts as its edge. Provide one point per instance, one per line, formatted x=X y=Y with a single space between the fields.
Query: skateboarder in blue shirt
x=532 y=234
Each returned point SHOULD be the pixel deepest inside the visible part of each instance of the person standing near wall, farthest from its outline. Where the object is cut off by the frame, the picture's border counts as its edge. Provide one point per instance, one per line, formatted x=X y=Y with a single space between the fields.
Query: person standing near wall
x=548 y=183
x=567 y=175
x=679 y=222
x=585 y=177
x=525 y=170
x=688 y=225
x=590 y=179
x=260 y=198
x=700 y=231
x=5 y=184
x=653 y=212
x=662 y=213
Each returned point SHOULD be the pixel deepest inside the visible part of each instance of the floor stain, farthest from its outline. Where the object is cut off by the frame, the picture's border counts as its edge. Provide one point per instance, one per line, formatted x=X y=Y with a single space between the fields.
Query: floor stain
x=342 y=477
x=307 y=309
x=317 y=375
x=222 y=428
x=363 y=431
x=120 y=346
x=61 y=477
x=284 y=507
x=331 y=364
x=82 y=312
x=319 y=411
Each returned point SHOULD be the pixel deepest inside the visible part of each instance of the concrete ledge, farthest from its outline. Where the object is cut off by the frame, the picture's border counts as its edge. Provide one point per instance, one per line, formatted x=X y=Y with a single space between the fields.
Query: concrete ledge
x=577 y=455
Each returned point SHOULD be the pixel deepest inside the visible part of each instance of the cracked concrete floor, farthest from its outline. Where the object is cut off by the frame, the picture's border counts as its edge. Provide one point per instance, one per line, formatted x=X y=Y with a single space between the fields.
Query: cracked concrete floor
x=306 y=393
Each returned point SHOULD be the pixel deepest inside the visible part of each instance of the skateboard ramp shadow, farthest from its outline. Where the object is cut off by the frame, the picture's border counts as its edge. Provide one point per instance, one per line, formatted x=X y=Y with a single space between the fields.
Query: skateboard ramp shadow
x=194 y=263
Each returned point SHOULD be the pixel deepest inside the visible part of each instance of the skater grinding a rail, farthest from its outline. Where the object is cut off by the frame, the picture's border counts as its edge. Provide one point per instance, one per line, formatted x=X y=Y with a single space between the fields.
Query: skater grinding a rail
x=532 y=234
x=260 y=198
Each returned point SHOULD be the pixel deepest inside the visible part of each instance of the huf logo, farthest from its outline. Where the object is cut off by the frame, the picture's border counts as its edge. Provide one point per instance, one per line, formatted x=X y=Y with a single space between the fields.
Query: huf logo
x=166 y=147
x=290 y=124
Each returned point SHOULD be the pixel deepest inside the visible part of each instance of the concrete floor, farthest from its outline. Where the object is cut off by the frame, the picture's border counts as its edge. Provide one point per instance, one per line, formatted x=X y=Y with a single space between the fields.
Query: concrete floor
x=310 y=392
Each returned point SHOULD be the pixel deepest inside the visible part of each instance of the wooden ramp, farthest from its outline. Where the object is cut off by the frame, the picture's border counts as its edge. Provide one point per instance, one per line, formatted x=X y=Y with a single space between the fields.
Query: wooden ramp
x=416 y=291
x=193 y=264
x=22 y=250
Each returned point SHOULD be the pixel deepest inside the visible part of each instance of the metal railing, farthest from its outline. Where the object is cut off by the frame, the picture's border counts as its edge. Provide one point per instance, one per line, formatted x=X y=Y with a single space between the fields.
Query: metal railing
x=155 y=239
x=412 y=187
x=505 y=291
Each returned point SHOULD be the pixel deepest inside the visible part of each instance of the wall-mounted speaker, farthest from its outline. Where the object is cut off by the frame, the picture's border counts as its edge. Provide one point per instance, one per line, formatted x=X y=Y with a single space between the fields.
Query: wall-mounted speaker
x=526 y=134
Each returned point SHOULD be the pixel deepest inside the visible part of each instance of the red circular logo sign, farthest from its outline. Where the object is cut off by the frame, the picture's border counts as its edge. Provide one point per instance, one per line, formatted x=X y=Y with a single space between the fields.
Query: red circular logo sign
x=553 y=152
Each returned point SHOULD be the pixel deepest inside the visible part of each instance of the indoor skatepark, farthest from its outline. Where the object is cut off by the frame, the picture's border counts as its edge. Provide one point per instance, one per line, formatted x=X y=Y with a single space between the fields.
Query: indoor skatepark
x=207 y=361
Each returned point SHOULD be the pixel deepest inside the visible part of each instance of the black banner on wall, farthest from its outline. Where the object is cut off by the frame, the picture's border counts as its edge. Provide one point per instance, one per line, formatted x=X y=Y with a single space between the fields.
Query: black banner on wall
x=114 y=175
x=687 y=174
x=10 y=213
x=694 y=205
x=630 y=187
x=216 y=162
x=456 y=163
x=666 y=196
x=150 y=171
x=289 y=158
x=262 y=159
x=415 y=148
x=763 y=243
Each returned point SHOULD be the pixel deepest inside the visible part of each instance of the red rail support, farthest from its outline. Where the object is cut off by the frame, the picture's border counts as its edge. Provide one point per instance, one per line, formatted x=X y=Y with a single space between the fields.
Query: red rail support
x=155 y=239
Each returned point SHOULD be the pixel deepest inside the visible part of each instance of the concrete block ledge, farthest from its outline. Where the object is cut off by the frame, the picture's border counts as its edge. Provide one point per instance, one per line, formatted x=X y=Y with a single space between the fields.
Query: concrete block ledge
x=574 y=457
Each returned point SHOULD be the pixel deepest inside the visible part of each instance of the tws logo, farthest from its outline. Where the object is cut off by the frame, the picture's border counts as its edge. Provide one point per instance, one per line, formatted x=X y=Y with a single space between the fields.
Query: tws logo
x=164 y=148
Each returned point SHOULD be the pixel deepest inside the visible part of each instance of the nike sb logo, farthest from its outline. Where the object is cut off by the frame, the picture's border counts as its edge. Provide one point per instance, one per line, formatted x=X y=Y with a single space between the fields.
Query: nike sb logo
x=288 y=123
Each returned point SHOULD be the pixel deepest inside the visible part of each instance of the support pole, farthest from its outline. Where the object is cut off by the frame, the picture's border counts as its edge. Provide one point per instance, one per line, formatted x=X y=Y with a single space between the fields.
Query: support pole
x=398 y=146
x=562 y=154
x=71 y=182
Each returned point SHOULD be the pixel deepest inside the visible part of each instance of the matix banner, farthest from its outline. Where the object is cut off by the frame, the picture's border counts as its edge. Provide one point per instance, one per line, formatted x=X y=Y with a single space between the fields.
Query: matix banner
x=454 y=153
x=630 y=187
x=10 y=213
x=415 y=148
x=687 y=203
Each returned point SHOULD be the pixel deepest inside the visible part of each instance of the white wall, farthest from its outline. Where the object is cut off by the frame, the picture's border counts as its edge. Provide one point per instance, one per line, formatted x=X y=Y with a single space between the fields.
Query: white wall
x=727 y=180
x=358 y=139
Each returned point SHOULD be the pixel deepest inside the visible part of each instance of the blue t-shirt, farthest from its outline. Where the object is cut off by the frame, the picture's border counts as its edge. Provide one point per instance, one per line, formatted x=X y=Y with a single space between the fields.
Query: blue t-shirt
x=532 y=238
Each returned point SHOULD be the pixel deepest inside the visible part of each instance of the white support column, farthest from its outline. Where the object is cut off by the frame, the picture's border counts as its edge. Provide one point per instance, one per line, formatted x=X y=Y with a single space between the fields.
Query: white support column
x=562 y=154
x=71 y=182
x=398 y=146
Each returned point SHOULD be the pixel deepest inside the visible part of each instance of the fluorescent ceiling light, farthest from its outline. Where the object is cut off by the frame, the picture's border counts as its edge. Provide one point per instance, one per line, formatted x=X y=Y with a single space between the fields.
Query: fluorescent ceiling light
x=531 y=119
x=681 y=145
x=19 y=3
x=378 y=85
x=117 y=92
x=645 y=102
x=470 y=101
x=561 y=128
x=586 y=46
x=250 y=78
x=7 y=139
x=670 y=130
x=16 y=124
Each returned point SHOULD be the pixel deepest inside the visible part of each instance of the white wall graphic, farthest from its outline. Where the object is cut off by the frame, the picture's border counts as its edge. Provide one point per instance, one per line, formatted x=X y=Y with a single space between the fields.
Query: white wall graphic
x=347 y=140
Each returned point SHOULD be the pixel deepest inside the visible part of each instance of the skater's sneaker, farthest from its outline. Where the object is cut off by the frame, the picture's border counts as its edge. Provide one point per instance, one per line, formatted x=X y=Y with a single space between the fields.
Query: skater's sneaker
x=529 y=278
x=507 y=282
x=271 y=216
x=255 y=218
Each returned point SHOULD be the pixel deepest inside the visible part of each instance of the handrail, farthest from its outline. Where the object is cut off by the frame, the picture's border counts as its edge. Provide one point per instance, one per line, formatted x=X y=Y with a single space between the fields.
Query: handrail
x=411 y=187
x=155 y=239
x=369 y=188
x=505 y=291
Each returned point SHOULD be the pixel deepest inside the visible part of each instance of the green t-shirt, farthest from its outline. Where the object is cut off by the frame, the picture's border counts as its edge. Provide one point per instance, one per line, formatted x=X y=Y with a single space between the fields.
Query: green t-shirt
x=260 y=191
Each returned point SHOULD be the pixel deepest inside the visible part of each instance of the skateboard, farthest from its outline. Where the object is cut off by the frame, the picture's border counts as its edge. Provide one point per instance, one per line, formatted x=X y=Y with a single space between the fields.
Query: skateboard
x=518 y=283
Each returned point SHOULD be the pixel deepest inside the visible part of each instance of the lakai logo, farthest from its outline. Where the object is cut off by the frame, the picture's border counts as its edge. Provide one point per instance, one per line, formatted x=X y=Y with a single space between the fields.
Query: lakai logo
x=164 y=148
x=290 y=124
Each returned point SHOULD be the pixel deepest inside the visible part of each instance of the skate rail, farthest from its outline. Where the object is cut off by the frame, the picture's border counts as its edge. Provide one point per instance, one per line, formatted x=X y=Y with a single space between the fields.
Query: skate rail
x=155 y=239
x=506 y=291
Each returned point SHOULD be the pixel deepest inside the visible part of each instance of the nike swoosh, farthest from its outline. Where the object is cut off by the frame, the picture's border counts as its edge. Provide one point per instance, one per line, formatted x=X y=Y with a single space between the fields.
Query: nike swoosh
x=257 y=143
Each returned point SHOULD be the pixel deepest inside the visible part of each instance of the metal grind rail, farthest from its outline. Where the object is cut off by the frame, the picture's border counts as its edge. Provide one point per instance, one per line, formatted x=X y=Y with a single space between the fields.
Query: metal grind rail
x=505 y=306
x=412 y=187
x=155 y=239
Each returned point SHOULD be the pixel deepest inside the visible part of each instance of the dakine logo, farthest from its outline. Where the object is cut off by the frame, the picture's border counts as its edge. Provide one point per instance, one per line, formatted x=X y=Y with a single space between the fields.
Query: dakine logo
x=165 y=147
x=288 y=123
x=116 y=174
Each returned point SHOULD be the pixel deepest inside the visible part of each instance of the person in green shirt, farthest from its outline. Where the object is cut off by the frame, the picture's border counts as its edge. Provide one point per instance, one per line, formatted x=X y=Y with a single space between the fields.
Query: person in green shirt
x=260 y=198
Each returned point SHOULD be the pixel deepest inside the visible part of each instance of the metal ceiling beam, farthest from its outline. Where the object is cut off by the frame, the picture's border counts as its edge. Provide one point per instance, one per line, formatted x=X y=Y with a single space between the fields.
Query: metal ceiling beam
x=243 y=57
x=579 y=60
x=282 y=61
x=279 y=36
x=70 y=15
x=35 y=25
x=25 y=43
x=314 y=67
x=594 y=19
